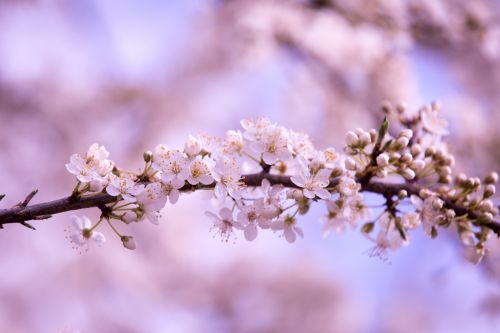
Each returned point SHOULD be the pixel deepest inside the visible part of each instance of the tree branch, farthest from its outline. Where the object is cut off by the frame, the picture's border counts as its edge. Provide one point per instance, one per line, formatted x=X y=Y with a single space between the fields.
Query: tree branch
x=23 y=212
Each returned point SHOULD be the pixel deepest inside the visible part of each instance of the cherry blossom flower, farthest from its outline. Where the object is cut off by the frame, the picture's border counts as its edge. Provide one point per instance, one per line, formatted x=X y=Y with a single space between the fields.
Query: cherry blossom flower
x=193 y=146
x=433 y=123
x=253 y=129
x=224 y=223
x=93 y=166
x=314 y=185
x=199 y=172
x=429 y=211
x=227 y=174
x=174 y=166
x=81 y=233
x=234 y=143
x=289 y=226
x=124 y=186
x=273 y=145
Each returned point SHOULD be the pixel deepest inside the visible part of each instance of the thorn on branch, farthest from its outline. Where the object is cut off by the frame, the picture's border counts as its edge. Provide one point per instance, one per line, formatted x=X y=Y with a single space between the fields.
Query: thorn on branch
x=27 y=225
x=27 y=200
x=42 y=217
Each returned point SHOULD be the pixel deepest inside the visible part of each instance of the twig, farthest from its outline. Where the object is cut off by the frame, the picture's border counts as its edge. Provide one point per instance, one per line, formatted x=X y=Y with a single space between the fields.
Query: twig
x=22 y=213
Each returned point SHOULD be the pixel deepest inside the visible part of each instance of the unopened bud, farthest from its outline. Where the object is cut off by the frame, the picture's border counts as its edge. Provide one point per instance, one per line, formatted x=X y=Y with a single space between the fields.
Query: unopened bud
x=489 y=191
x=492 y=178
x=402 y=142
x=408 y=174
x=402 y=194
x=407 y=133
x=148 y=155
x=350 y=164
x=486 y=205
x=406 y=158
x=367 y=227
x=429 y=152
x=383 y=160
x=416 y=149
x=364 y=138
x=351 y=138
x=128 y=242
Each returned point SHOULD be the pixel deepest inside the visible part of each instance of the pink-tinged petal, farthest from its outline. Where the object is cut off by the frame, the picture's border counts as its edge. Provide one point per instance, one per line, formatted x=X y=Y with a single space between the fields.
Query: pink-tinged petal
x=177 y=183
x=98 y=237
x=220 y=190
x=269 y=158
x=212 y=215
x=278 y=225
x=323 y=194
x=309 y=194
x=289 y=235
x=192 y=181
x=111 y=190
x=299 y=231
x=250 y=232
x=128 y=198
x=206 y=180
x=153 y=217
x=72 y=169
x=298 y=180
x=173 y=196
x=77 y=222
x=226 y=214
x=78 y=239
x=137 y=189
x=86 y=223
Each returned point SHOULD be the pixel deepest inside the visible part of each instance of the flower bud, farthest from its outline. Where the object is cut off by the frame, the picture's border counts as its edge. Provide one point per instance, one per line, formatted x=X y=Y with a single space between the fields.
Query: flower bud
x=193 y=146
x=489 y=191
x=418 y=165
x=407 y=133
x=364 y=138
x=373 y=135
x=408 y=174
x=350 y=164
x=431 y=151
x=128 y=242
x=368 y=227
x=492 y=178
x=486 y=205
x=437 y=203
x=129 y=216
x=402 y=142
x=406 y=158
x=416 y=149
x=351 y=138
x=147 y=156
x=383 y=160
x=460 y=178
x=402 y=194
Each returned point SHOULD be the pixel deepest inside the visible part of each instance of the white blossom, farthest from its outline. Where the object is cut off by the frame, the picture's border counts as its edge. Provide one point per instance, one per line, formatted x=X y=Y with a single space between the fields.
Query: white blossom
x=94 y=166
x=81 y=233
x=273 y=145
x=314 y=184
x=124 y=186
x=433 y=123
x=199 y=172
x=224 y=223
x=288 y=225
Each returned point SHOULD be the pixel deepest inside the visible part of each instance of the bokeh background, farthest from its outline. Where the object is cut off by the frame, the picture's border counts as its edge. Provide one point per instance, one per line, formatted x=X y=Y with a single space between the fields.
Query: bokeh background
x=132 y=74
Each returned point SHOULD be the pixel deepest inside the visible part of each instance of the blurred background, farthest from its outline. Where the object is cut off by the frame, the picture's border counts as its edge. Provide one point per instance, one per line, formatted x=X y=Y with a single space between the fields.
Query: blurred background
x=132 y=74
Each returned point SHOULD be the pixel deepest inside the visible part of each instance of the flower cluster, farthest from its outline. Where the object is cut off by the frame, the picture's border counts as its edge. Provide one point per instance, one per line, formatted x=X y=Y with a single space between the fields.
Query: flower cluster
x=265 y=175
